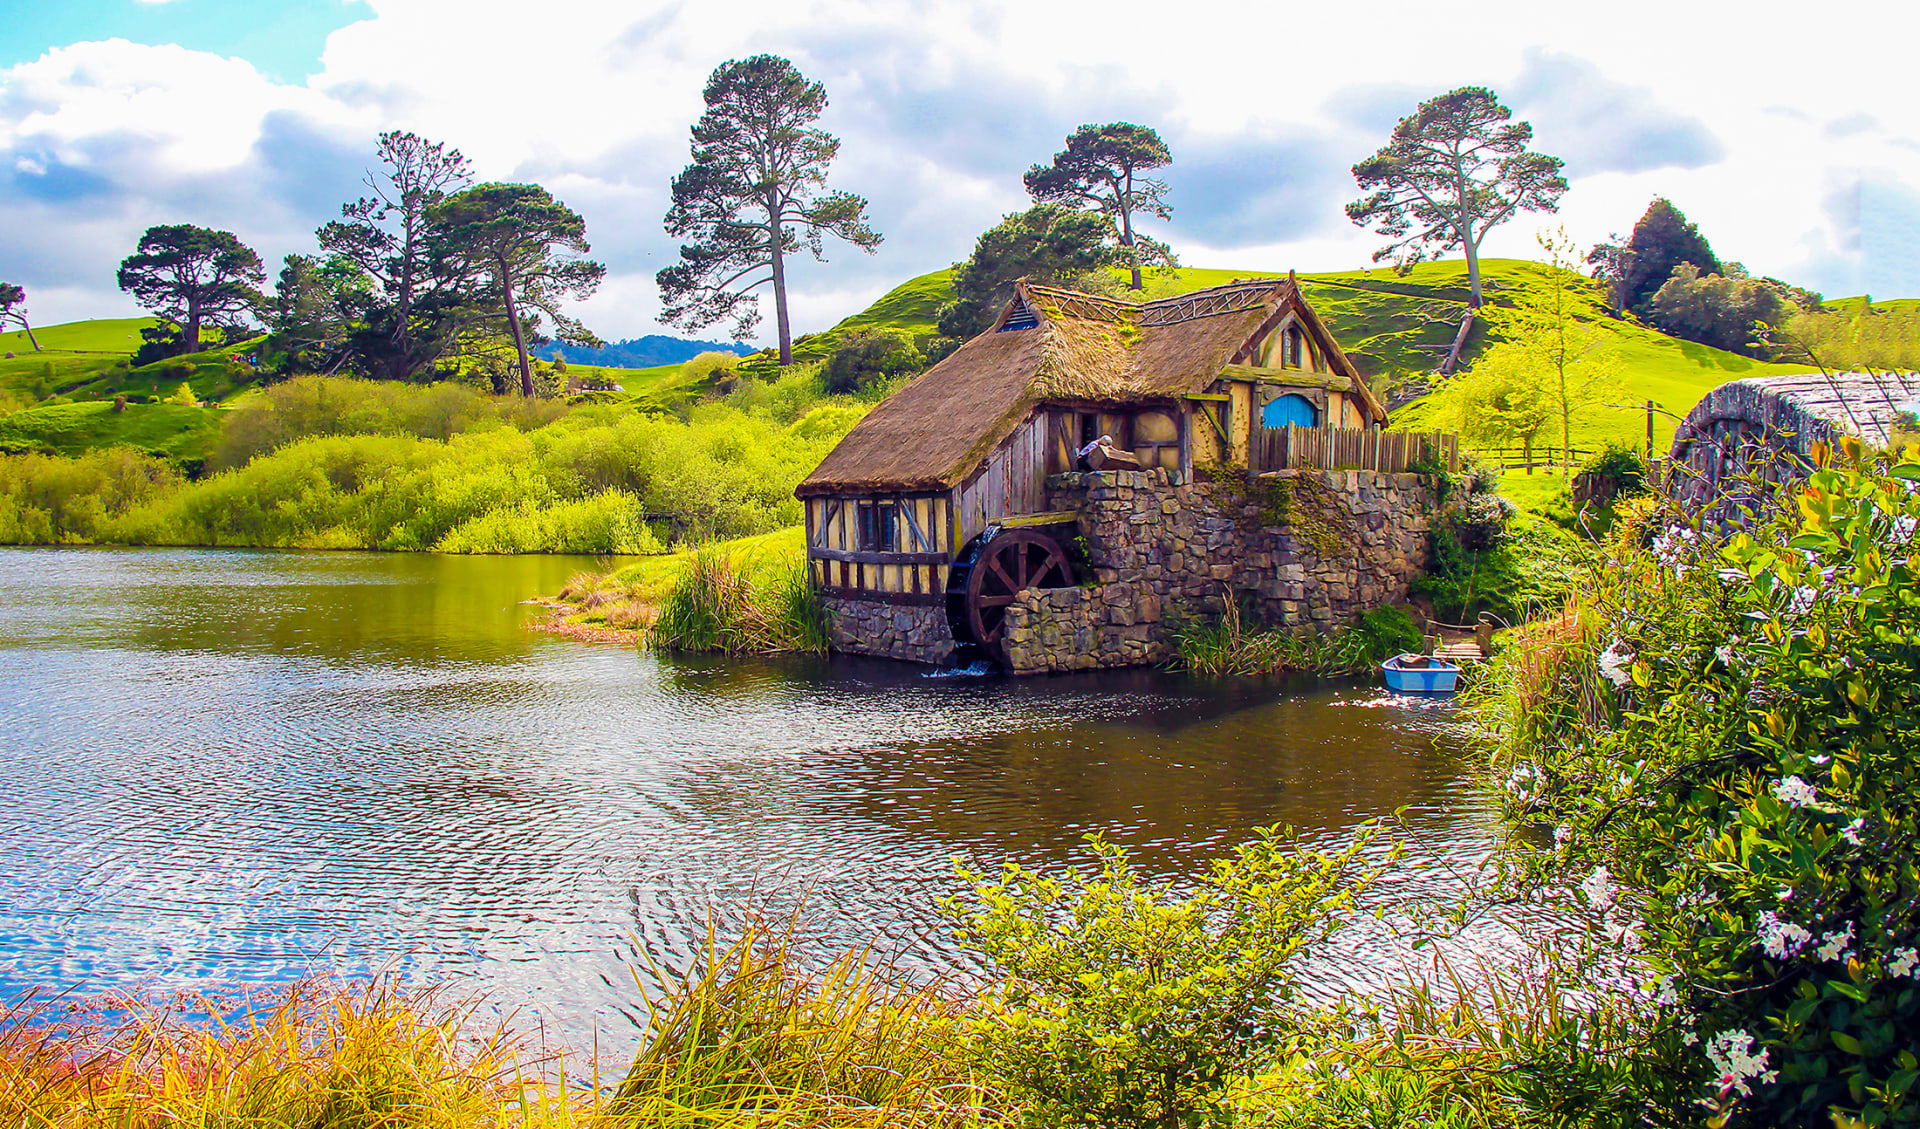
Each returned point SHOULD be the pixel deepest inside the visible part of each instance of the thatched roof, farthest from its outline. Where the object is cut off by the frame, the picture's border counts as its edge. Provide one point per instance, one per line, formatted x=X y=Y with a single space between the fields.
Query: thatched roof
x=1078 y=348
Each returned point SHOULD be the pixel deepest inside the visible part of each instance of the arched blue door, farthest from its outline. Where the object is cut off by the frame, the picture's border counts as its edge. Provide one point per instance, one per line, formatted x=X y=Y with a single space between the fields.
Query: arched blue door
x=1290 y=409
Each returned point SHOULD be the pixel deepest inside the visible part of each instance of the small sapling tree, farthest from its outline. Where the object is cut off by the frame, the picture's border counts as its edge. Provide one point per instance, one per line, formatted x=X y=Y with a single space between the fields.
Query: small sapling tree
x=752 y=197
x=1103 y=169
x=194 y=276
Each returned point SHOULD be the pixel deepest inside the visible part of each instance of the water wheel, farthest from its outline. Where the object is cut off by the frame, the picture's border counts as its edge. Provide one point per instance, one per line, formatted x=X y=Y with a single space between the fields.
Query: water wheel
x=996 y=567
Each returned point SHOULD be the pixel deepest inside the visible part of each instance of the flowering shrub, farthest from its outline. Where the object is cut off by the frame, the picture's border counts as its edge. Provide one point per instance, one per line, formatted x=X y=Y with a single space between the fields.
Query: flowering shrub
x=1728 y=741
x=1121 y=1005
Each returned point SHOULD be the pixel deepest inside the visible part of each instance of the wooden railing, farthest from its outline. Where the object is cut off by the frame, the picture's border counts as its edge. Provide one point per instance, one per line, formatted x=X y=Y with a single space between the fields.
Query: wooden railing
x=1339 y=448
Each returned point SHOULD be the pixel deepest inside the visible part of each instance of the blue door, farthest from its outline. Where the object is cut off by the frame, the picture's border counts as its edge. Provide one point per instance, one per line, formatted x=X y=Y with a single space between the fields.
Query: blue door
x=1290 y=409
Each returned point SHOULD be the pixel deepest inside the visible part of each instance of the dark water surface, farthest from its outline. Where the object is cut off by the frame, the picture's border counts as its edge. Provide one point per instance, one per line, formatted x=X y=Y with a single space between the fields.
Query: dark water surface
x=229 y=767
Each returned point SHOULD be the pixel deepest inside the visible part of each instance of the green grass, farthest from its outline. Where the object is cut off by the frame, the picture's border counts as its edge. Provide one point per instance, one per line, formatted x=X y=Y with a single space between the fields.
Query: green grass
x=70 y=429
x=99 y=335
x=760 y=558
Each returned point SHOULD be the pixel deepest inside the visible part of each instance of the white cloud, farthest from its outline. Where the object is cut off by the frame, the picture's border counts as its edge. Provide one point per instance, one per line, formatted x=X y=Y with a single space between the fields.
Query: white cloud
x=941 y=105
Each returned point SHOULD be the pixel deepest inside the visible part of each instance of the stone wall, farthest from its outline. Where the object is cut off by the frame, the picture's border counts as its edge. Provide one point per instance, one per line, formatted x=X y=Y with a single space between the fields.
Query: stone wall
x=916 y=633
x=1302 y=548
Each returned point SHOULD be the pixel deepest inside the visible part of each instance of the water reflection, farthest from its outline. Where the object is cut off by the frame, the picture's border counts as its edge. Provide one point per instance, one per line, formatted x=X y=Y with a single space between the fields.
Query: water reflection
x=225 y=767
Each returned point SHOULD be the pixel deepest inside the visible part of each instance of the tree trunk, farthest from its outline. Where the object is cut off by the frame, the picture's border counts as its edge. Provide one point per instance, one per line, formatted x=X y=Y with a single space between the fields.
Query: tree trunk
x=1459 y=343
x=519 y=339
x=1526 y=453
x=780 y=300
x=1126 y=240
x=36 y=348
x=191 y=342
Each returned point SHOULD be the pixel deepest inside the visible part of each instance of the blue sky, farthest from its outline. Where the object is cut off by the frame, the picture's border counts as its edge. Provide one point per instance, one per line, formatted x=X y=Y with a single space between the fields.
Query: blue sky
x=283 y=38
x=260 y=118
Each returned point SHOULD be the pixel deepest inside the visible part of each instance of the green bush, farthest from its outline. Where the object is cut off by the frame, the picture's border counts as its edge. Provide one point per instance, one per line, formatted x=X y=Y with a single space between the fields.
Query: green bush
x=867 y=357
x=1389 y=632
x=1723 y=737
x=1119 y=1004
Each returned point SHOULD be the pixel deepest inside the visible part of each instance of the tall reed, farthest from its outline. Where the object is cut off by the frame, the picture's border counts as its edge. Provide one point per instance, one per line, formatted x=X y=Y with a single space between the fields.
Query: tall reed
x=751 y=1039
x=316 y=1054
x=715 y=604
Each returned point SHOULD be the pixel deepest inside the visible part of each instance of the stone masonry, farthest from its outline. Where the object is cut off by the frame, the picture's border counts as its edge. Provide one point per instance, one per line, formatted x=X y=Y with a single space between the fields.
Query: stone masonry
x=916 y=633
x=1303 y=548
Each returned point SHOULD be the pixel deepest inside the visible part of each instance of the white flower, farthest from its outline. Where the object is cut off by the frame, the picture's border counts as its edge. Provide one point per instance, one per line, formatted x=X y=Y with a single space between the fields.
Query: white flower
x=1562 y=835
x=1780 y=939
x=1527 y=784
x=1623 y=933
x=1795 y=792
x=1616 y=664
x=1732 y=1054
x=1821 y=759
x=1833 y=946
x=1904 y=963
x=1674 y=545
x=1689 y=1039
x=1851 y=832
x=1599 y=888
x=1724 y=653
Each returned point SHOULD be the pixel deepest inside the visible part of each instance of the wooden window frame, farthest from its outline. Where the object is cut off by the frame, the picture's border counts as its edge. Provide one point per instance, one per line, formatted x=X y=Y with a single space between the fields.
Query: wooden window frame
x=876 y=527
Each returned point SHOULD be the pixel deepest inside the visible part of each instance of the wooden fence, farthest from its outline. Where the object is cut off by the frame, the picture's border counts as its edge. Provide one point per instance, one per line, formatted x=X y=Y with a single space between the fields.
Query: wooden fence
x=1524 y=458
x=1339 y=448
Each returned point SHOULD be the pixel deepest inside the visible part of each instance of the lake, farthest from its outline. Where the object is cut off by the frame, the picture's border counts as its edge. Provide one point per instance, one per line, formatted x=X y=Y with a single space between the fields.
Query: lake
x=226 y=768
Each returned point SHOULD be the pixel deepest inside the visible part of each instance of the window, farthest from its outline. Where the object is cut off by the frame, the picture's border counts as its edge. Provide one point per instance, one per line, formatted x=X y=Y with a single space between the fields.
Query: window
x=877 y=521
x=1290 y=348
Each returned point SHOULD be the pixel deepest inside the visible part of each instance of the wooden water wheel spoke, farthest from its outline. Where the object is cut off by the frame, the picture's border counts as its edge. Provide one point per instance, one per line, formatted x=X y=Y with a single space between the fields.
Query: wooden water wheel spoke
x=1002 y=568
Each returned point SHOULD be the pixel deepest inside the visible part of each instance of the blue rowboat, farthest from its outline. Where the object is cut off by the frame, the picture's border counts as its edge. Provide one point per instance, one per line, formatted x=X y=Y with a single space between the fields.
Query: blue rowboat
x=1429 y=676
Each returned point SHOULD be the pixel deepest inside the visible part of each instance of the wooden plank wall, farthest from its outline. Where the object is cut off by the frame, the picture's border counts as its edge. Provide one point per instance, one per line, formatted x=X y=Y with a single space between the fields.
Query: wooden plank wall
x=1323 y=448
x=1013 y=481
x=838 y=567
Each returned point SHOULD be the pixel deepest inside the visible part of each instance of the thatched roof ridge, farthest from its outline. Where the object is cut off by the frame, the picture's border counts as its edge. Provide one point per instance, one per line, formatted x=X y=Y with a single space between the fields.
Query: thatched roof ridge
x=1084 y=347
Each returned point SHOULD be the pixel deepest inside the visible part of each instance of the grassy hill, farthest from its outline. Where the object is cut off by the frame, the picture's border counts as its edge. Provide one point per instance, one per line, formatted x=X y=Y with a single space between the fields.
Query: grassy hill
x=170 y=430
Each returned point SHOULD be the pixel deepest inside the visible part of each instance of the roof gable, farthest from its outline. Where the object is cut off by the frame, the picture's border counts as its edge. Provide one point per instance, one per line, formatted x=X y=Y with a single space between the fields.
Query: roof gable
x=1053 y=344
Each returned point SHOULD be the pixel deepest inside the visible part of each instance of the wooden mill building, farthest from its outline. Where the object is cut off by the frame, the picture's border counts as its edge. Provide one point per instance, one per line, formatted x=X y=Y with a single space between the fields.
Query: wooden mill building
x=966 y=449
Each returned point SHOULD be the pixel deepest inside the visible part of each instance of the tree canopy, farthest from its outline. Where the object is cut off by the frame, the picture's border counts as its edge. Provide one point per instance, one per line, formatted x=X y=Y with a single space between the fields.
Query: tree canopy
x=1047 y=243
x=529 y=248
x=1102 y=170
x=1455 y=169
x=754 y=195
x=1635 y=268
x=1720 y=310
x=194 y=276
x=13 y=310
x=407 y=318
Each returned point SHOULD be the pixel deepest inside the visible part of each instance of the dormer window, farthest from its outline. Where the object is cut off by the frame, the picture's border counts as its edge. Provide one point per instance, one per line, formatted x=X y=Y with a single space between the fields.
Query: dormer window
x=1020 y=317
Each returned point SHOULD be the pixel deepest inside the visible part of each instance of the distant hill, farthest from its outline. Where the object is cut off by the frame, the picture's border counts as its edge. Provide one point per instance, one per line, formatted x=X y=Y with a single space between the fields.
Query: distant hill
x=650 y=351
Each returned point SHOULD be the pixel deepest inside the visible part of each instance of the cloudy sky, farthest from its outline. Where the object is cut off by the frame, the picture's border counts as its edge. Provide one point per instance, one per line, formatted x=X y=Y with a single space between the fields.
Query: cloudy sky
x=1790 y=135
